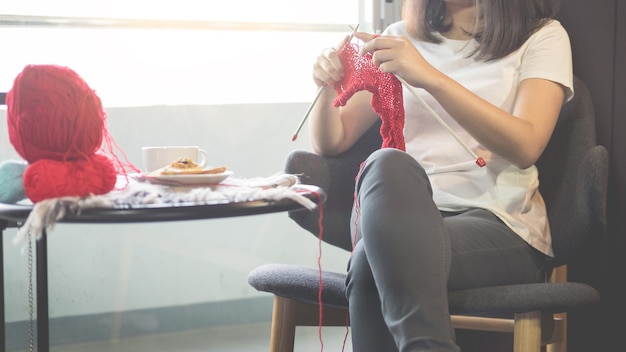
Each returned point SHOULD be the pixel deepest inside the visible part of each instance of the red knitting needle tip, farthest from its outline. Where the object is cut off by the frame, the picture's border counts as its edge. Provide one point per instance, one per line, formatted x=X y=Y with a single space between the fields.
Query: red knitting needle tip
x=294 y=137
x=481 y=162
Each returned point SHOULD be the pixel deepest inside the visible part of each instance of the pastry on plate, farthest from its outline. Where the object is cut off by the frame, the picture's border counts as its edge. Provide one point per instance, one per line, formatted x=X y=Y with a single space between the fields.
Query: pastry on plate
x=186 y=166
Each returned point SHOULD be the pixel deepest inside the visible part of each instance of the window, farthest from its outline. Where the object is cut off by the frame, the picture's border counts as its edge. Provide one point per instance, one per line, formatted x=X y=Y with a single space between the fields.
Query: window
x=147 y=52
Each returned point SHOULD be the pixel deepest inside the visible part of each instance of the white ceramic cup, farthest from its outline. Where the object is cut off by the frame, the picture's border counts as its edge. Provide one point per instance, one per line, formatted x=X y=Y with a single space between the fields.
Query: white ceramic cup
x=157 y=157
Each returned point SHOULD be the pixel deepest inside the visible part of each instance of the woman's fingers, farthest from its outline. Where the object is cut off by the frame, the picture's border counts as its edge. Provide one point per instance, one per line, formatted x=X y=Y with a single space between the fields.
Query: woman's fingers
x=328 y=68
x=383 y=49
x=365 y=37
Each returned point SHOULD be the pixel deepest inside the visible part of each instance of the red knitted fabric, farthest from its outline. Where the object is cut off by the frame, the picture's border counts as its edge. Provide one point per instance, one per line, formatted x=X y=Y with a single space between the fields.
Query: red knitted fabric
x=362 y=74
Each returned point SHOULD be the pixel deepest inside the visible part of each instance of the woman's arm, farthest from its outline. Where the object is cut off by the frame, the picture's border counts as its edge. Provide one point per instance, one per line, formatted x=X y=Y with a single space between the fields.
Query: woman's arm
x=519 y=137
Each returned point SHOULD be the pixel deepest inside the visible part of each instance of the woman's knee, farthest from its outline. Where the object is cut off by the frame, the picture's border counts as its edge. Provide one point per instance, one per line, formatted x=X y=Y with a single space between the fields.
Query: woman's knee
x=390 y=159
x=359 y=273
x=393 y=164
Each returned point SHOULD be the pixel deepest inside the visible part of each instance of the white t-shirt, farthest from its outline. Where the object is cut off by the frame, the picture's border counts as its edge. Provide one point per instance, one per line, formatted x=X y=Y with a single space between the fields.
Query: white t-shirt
x=458 y=183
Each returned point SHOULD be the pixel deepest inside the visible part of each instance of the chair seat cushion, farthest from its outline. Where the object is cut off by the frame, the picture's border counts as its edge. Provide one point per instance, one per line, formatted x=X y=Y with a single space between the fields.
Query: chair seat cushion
x=302 y=283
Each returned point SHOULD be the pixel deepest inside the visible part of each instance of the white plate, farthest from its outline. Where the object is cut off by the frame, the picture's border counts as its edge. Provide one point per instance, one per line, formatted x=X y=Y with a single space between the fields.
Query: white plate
x=200 y=179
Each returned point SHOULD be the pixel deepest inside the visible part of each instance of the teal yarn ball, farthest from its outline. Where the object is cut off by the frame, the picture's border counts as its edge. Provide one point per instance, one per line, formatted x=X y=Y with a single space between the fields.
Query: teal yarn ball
x=11 y=184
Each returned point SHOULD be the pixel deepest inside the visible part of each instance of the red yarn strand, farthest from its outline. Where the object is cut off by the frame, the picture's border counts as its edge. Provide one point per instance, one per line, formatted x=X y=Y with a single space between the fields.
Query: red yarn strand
x=319 y=267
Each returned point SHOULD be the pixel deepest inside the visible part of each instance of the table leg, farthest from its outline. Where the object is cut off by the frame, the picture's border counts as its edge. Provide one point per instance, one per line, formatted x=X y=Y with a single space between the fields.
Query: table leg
x=2 y=323
x=43 y=333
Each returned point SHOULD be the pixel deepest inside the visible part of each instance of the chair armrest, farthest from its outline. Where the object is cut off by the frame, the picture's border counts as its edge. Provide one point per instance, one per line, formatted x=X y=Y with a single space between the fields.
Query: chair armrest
x=336 y=176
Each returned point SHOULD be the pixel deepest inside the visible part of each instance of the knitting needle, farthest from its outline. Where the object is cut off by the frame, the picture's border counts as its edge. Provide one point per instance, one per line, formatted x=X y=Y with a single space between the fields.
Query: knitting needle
x=306 y=115
x=479 y=161
x=318 y=93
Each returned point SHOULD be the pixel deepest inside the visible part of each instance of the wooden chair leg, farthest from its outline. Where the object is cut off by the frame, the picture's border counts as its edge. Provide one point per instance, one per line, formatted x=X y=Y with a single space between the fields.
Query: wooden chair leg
x=527 y=334
x=288 y=314
x=482 y=323
x=283 y=334
x=558 y=342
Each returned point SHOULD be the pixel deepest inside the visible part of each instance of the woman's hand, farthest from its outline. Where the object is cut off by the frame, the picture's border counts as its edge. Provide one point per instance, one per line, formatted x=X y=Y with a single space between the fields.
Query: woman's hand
x=328 y=69
x=397 y=55
x=334 y=130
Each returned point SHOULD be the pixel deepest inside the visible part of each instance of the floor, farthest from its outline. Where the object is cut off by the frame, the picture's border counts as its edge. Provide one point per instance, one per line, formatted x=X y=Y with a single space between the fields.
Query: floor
x=245 y=338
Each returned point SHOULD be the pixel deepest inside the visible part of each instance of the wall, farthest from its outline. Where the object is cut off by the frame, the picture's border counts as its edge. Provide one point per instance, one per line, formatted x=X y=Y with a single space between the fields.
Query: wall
x=98 y=269
x=598 y=33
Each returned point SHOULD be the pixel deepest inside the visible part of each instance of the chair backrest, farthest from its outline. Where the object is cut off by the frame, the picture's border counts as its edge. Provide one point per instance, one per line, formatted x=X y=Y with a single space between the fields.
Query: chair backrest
x=573 y=176
x=572 y=173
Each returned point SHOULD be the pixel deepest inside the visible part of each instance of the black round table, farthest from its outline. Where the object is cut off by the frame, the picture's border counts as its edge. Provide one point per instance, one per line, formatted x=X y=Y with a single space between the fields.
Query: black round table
x=12 y=215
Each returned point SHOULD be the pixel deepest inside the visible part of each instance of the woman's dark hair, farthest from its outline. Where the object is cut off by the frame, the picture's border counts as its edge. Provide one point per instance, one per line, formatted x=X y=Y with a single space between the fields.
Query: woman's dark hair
x=503 y=25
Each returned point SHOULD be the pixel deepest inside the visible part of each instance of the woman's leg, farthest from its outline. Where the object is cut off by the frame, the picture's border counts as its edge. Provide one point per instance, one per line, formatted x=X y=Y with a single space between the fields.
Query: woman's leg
x=485 y=252
x=398 y=272
x=403 y=255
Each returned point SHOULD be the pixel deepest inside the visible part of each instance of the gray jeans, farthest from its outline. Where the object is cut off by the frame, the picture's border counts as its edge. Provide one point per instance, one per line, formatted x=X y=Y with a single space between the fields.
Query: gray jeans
x=408 y=255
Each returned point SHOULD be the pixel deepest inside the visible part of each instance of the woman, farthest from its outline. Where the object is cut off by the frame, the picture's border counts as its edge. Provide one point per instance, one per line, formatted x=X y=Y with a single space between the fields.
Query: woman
x=430 y=220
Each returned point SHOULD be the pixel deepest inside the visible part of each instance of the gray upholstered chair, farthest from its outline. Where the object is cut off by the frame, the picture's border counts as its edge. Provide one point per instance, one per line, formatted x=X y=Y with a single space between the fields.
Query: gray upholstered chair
x=573 y=174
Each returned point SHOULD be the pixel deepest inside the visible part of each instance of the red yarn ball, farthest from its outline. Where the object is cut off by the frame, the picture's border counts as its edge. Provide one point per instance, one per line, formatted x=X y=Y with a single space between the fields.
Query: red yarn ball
x=53 y=114
x=51 y=179
x=56 y=122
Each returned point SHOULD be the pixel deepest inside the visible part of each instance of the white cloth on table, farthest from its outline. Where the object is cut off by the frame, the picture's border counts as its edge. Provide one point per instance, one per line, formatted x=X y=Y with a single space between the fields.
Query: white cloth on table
x=134 y=193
